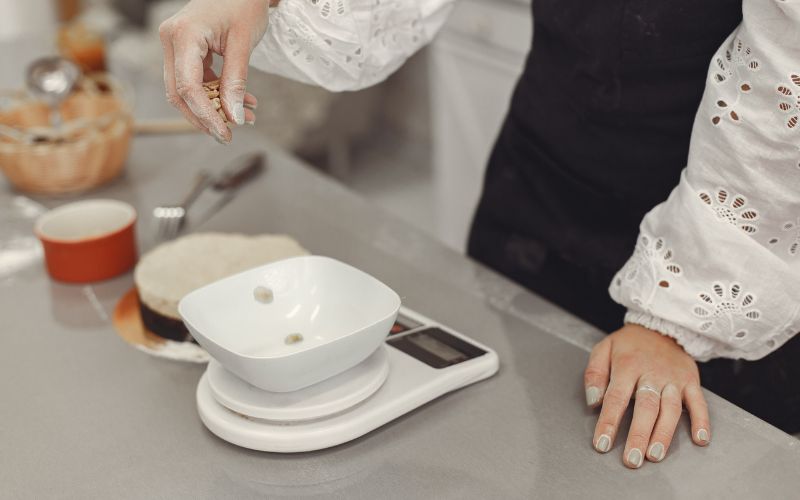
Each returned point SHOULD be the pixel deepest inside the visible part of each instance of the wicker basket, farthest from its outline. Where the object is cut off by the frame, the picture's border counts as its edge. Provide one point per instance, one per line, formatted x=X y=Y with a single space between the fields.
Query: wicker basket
x=88 y=150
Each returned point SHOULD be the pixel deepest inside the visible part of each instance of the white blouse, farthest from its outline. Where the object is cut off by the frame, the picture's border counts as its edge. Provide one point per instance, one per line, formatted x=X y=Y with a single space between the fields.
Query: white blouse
x=346 y=44
x=717 y=265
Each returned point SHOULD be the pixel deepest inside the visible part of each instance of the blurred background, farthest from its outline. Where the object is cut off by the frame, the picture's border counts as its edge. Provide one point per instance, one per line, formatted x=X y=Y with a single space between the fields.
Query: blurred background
x=416 y=144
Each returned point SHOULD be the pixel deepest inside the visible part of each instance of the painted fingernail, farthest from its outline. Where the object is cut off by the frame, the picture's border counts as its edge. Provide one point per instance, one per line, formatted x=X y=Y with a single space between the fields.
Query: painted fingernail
x=250 y=122
x=603 y=443
x=702 y=435
x=252 y=107
x=656 y=452
x=635 y=457
x=238 y=113
x=219 y=138
x=592 y=395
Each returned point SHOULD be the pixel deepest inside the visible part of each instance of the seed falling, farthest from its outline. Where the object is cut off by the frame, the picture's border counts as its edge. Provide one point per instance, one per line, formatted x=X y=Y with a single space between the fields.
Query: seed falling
x=293 y=338
x=263 y=294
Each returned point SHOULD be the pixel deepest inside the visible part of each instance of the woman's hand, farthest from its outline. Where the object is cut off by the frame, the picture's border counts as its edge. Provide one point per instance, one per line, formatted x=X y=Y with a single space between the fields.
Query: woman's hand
x=190 y=38
x=657 y=372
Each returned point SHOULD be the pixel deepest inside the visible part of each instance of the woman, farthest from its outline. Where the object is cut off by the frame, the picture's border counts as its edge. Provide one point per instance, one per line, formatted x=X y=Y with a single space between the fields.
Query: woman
x=602 y=124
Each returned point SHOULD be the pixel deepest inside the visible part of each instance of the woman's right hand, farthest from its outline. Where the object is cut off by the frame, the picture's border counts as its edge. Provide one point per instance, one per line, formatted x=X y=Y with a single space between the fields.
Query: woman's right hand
x=190 y=38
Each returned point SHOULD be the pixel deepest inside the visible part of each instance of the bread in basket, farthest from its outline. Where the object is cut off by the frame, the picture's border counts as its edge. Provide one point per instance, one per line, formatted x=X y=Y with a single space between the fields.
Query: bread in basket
x=87 y=150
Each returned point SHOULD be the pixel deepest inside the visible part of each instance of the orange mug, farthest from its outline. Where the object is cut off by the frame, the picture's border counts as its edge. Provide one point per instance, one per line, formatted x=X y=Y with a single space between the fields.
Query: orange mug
x=88 y=241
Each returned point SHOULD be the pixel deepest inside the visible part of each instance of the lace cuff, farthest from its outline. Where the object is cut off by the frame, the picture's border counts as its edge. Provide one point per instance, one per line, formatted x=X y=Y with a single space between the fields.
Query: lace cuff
x=697 y=346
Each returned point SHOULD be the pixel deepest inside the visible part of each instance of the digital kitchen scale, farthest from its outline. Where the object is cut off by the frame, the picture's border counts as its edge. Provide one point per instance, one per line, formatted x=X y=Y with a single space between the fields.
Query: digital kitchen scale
x=419 y=361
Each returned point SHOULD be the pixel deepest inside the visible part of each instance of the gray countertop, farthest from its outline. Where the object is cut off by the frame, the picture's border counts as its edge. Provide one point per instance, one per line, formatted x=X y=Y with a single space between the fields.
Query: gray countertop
x=84 y=415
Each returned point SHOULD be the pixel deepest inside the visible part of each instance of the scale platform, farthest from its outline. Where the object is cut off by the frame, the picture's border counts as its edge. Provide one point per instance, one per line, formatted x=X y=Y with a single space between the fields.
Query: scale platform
x=419 y=361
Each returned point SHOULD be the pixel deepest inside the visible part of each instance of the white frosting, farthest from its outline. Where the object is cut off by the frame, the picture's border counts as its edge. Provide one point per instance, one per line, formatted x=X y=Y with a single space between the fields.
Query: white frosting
x=172 y=270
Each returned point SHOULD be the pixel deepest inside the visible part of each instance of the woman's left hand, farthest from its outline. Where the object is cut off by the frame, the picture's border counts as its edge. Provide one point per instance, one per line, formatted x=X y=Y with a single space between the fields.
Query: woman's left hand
x=657 y=372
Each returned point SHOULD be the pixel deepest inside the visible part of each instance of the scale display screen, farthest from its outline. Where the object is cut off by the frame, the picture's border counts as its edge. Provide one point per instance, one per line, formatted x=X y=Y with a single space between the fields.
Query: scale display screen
x=436 y=348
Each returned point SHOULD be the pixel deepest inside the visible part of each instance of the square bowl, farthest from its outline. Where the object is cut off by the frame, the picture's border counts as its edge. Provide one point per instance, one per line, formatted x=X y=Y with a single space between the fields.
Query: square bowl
x=292 y=323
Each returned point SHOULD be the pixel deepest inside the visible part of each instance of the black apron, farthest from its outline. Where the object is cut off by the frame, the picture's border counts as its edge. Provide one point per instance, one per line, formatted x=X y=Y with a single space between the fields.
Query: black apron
x=596 y=136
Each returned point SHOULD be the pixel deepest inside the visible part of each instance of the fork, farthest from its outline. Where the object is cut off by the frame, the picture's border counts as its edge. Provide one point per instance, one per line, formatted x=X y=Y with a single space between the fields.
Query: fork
x=172 y=218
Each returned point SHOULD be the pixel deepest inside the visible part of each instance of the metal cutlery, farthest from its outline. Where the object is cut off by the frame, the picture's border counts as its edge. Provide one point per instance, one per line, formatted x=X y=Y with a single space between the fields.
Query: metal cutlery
x=227 y=184
x=51 y=79
x=172 y=218
x=218 y=189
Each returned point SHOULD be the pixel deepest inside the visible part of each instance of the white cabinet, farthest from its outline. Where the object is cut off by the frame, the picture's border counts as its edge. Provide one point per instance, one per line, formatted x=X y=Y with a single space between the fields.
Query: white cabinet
x=475 y=63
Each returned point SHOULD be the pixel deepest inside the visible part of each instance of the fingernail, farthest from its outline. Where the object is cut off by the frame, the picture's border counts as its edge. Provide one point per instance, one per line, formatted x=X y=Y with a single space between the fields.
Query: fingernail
x=250 y=106
x=635 y=457
x=603 y=443
x=592 y=395
x=250 y=122
x=656 y=452
x=219 y=138
x=238 y=113
x=702 y=435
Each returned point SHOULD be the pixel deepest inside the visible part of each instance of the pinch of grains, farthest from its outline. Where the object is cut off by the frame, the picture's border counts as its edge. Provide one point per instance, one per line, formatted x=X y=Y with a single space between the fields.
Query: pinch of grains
x=212 y=91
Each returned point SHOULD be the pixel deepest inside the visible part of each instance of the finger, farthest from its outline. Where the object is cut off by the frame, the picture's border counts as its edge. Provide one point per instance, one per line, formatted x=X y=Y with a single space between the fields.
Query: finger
x=668 y=417
x=645 y=413
x=234 y=74
x=190 y=51
x=698 y=414
x=165 y=33
x=250 y=101
x=249 y=118
x=595 y=377
x=615 y=401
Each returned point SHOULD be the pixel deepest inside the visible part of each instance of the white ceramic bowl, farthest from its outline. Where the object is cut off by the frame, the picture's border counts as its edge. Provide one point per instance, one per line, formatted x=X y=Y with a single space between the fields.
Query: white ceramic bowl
x=290 y=324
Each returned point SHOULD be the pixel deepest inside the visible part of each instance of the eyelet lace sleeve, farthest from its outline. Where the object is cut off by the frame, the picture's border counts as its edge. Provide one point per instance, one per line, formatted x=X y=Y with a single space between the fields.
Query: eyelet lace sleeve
x=346 y=44
x=717 y=266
